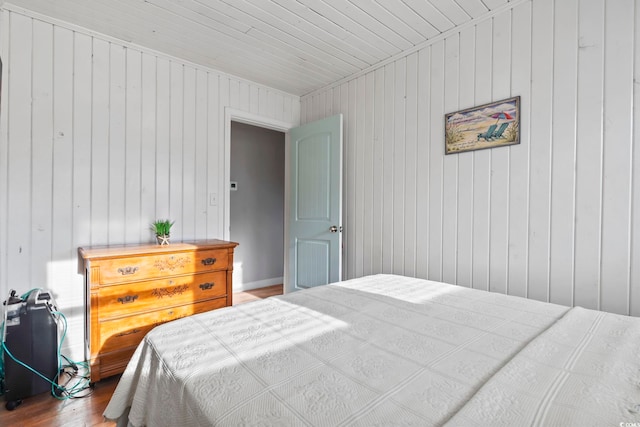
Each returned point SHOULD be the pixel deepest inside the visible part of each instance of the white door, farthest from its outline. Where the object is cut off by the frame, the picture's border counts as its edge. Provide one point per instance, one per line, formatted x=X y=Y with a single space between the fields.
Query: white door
x=315 y=221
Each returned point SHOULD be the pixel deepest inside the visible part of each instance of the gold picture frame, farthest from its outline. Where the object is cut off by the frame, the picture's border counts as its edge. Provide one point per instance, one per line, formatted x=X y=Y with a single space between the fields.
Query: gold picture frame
x=496 y=124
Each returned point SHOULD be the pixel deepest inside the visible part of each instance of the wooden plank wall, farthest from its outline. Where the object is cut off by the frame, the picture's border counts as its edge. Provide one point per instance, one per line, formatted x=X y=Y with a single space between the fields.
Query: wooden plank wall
x=556 y=218
x=97 y=139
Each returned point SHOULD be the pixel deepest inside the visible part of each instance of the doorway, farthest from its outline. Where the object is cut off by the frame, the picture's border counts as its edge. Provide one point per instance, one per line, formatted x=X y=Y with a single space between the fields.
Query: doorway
x=257 y=205
x=333 y=135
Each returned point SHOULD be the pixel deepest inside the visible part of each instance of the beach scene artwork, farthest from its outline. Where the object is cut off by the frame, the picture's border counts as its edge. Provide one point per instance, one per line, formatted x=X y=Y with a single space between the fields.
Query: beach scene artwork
x=486 y=126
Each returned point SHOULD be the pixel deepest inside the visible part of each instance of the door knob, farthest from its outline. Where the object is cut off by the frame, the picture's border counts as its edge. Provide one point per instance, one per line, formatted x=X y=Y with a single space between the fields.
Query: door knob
x=334 y=229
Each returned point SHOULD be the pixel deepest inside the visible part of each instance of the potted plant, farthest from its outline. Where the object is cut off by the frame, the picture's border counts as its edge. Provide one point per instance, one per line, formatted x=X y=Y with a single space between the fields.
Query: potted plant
x=162 y=228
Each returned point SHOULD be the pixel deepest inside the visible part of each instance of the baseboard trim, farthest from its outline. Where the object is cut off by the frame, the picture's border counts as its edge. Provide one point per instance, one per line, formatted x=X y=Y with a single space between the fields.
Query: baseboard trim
x=242 y=287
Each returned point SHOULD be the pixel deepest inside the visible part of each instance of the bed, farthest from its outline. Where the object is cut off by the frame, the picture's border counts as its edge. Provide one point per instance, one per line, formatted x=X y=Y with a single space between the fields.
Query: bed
x=385 y=350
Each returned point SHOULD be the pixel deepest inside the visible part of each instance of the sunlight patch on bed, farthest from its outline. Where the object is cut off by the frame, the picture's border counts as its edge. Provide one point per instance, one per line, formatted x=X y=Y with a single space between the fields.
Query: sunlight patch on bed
x=415 y=291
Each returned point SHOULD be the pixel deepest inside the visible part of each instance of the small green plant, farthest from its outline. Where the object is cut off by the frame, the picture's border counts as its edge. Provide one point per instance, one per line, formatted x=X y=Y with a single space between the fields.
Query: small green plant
x=162 y=227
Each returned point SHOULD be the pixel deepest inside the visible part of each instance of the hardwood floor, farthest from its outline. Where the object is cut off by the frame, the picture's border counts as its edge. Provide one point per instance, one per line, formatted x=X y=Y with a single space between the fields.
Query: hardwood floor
x=44 y=410
x=256 y=294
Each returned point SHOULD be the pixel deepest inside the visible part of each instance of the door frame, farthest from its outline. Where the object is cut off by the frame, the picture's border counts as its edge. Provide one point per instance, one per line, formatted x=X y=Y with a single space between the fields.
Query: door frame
x=232 y=114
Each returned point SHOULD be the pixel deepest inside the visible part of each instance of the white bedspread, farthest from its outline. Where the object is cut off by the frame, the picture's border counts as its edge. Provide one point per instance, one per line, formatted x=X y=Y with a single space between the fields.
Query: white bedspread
x=583 y=371
x=380 y=350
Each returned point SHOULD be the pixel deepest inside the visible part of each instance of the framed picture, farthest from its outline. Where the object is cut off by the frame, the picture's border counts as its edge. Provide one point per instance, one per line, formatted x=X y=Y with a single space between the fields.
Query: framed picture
x=486 y=126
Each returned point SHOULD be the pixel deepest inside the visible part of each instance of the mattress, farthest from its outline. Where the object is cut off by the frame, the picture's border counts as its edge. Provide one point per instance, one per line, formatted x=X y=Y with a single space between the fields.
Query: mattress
x=385 y=350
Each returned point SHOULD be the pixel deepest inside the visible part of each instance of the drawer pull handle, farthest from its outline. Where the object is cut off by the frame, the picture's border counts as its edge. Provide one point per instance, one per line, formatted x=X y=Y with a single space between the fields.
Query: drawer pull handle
x=122 y=334
x=208 y=261
x=128 y=299
x=127 y=270
x=207 y=286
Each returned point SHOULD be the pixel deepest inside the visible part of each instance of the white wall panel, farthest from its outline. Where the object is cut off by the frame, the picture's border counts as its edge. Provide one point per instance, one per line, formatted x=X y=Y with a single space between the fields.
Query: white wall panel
x=518 y=248
x=565 y=54
x=450 y=165
x=369 y=235
x=422 y=172
x=482 y=163
x=465 y=98
x=590 y=97
x=62 y=177
x=554 y=218
x=18 y=237
x=201 y=189
x=399 y=165
x=436 y=158
x=187 y=175
x=176 y=135
x=376 y=183
x=215 y=132
x=361 y=147
x=100 y=161
x=634 y=288
x=81 y=135
x=115 y=198
x=153 y=70
x=98 y=139
x=41 y=150
x=618 y=144
x=224 y=98
x=499 y=198
x=133 y=129
x=540 y=152
x=388 y=195
x=349 y=96
x=411 y=165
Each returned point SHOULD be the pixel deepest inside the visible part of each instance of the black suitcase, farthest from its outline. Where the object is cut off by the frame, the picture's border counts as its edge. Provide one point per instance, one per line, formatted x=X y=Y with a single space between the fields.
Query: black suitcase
x=31 y=336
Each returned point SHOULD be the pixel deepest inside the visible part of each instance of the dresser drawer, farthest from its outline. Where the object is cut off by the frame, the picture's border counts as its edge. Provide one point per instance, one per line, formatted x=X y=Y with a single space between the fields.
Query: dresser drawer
x=119 y=270
x=132 y=298
x=120 y=334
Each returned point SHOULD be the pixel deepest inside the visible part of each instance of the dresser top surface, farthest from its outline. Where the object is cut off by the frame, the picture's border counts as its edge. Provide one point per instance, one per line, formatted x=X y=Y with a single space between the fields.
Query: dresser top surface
x=97 y=252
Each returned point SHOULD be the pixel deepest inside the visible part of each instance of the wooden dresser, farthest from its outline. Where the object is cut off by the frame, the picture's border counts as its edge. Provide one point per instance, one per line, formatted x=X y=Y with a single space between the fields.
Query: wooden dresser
x=131 y=289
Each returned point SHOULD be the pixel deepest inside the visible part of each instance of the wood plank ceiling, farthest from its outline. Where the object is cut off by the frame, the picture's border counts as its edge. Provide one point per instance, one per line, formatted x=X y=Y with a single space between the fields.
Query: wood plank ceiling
x=296 y=46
